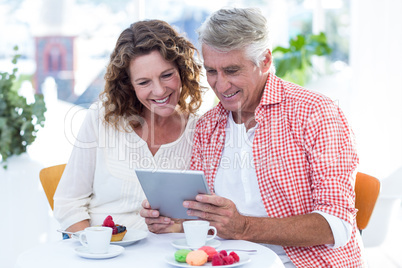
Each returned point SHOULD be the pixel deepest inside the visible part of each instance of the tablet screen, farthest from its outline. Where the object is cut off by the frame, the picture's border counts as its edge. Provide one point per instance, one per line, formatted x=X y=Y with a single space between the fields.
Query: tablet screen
x=167 y=189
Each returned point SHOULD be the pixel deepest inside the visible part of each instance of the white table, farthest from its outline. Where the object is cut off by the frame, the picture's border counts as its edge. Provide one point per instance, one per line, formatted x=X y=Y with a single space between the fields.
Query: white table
x=149 y=252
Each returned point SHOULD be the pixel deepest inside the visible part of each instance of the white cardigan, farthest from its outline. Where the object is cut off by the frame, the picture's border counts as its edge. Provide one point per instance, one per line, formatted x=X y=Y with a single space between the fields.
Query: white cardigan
x=99 y=179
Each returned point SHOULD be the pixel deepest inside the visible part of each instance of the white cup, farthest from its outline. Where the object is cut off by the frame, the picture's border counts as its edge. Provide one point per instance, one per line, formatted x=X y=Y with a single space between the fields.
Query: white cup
x=197 y=233
x=96 y=239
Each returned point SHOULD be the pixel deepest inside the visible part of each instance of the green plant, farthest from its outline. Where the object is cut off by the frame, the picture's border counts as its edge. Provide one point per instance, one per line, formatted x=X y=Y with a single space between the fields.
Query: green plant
x=295 y=62
x=19 y=121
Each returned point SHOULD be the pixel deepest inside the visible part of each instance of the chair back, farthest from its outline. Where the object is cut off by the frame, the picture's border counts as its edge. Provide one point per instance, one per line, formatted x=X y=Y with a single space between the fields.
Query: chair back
x=50 y=177
x=367 y=189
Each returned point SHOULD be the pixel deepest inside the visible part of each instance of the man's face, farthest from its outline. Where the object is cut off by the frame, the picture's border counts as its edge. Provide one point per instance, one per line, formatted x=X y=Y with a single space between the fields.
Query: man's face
x=236 y=80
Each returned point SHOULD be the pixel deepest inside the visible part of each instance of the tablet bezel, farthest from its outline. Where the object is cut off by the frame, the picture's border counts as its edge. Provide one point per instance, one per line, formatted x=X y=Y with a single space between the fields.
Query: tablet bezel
x=166 y=189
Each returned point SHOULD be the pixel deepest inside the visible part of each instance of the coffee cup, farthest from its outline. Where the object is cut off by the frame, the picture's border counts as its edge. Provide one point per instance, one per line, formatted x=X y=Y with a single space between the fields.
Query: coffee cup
x=196 y=233
x=96 y=239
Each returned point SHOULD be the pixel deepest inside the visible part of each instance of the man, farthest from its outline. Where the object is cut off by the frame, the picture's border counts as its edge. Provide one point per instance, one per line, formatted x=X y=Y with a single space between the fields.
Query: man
x=279 y=158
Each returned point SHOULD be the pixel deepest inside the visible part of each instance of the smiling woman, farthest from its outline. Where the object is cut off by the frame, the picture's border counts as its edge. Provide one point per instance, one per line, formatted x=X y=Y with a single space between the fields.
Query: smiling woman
x=147 y=109
x=156 y=83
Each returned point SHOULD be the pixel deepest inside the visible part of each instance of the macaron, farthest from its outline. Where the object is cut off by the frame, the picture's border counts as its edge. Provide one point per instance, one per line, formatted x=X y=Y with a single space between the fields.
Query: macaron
x=181 y=254
x=197 y=257
x=210 y=251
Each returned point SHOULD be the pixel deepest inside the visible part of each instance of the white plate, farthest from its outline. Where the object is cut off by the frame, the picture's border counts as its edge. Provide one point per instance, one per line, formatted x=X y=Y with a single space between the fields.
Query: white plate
x=113 y=252
x=244 y=258
x=182 y=243
x=132 y=236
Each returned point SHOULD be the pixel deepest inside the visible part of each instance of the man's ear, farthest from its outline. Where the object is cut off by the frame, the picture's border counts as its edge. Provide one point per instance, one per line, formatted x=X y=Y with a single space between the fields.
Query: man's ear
x=267 y=60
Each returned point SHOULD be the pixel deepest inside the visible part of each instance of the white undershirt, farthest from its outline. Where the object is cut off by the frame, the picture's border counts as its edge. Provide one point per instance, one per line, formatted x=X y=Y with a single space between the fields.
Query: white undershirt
x=236 y=180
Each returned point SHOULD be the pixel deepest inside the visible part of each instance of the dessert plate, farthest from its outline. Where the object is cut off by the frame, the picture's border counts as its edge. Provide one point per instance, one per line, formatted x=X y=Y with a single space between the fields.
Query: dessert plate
x=132 y=236
x=244 y=258
x=182 y=243
x=113 y=252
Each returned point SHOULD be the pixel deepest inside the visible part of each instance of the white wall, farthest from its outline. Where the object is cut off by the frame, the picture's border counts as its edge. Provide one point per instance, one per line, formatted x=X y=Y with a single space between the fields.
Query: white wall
x=376 y=58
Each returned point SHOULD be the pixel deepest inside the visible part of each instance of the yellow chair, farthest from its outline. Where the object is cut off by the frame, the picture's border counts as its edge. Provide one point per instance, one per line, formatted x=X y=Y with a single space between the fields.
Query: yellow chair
x=367 y=189
x=50 y=177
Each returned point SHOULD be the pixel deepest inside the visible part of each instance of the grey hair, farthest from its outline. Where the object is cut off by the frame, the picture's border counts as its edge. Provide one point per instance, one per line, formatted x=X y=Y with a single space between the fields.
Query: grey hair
x=235 y=29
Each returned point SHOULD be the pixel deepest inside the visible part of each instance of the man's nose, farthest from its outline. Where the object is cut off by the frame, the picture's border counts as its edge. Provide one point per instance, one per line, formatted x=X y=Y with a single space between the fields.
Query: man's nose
x=222 y=83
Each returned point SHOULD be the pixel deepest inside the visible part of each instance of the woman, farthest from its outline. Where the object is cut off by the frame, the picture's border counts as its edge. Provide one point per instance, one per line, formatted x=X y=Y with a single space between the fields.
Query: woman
x=142 y=121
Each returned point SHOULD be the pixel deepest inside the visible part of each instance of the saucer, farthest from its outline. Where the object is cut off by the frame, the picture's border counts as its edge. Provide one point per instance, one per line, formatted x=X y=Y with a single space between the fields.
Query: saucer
x=131 y=237
x=182 y=243
x=114 y=251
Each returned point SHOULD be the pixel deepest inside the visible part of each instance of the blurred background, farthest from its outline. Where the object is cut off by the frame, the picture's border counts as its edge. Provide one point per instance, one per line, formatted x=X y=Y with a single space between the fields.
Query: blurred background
x=65 y=46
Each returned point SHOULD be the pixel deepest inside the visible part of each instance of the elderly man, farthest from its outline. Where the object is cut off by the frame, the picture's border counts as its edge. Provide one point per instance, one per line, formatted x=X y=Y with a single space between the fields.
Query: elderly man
x=280 y=159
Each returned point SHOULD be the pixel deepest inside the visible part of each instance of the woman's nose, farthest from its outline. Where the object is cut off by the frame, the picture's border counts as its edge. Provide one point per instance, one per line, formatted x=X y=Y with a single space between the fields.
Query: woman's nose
x=159 y=89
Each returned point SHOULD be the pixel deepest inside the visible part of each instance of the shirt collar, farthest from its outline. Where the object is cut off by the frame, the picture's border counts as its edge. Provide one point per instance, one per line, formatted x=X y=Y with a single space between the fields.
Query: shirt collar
x=273 y=92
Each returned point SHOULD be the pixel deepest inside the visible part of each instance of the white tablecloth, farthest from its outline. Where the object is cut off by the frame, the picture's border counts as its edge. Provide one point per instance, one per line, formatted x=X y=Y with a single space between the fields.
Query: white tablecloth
x=149 y=252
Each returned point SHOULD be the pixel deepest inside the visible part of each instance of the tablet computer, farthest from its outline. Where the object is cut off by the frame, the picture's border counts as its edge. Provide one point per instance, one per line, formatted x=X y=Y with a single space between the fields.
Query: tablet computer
x=167 y=189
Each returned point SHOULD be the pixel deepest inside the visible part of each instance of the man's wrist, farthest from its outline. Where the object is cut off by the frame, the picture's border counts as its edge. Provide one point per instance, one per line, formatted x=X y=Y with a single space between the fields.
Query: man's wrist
x=244 y=235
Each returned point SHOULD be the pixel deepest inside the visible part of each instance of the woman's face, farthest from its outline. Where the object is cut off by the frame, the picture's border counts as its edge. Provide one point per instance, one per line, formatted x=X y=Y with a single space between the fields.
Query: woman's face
x=156 y=82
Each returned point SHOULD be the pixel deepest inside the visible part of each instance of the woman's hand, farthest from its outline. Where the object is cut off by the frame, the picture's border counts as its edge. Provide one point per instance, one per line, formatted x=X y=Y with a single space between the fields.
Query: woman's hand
x=159 y=224
x=79 y=226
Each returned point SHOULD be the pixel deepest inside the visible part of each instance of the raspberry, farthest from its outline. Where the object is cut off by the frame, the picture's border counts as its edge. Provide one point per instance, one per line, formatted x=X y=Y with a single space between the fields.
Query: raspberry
x=217 y=260
x=108 y=222
x=235 y=256
x=115 y=231
x=228 y=260
x=223 y=252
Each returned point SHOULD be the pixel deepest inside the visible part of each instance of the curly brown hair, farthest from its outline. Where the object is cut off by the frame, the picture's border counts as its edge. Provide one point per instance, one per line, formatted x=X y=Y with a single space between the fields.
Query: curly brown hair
x=141 y=38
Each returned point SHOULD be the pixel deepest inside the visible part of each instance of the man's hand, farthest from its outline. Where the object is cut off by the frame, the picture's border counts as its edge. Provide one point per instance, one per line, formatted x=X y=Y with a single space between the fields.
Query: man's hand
x=159 y=224
x=300 y=231
x=220 y=212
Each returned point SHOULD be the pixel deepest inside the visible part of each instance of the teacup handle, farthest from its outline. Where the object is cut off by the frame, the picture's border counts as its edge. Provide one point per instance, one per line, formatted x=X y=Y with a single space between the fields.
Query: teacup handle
x=215 y=232
x=82 y=240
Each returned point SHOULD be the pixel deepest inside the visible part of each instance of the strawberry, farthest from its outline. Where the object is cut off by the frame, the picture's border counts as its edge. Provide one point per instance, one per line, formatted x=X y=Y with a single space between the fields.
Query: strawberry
x=108 y=222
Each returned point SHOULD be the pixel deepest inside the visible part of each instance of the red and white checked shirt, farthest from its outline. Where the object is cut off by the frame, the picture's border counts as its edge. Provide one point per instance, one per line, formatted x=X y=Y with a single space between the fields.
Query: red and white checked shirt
x=305 y=159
